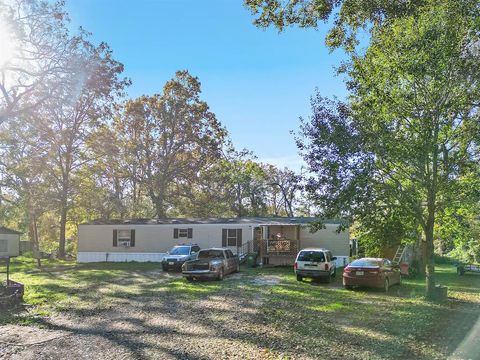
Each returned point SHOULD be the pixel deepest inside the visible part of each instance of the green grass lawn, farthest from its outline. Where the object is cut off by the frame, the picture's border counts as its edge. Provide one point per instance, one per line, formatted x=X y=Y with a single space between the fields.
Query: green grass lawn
x=302 y=315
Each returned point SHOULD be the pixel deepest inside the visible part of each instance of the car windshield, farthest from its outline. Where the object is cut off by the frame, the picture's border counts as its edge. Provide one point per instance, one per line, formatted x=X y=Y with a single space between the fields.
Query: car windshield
x=180 y=250
x=366 y=262
x=210 y=254
x=316 y=256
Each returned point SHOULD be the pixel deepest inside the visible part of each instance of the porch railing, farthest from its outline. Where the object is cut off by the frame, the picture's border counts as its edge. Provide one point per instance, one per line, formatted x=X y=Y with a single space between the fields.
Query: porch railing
x=279 y=247
x=252 y=246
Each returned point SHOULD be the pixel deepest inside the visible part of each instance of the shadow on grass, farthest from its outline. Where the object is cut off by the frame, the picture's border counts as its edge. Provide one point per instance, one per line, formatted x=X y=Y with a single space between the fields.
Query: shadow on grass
x=299 y=316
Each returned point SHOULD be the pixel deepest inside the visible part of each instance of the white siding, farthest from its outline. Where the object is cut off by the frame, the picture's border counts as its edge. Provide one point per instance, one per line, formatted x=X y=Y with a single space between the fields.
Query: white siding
x=337 y=242
x=95 y=242
x=154 y=238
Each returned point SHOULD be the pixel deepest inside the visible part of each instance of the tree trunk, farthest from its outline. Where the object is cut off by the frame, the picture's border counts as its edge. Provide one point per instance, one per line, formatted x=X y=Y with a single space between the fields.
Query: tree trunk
x=33 y=237
x=239 y=209
x=429 y=263
x=422 y=250
x=160 y=208
x=63 y=227
x=430 y=223
x=36 y=241
x=288 y=207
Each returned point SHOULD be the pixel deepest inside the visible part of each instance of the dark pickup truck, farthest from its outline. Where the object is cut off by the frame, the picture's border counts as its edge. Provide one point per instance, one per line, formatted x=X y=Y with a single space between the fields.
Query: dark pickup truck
x=212 y=263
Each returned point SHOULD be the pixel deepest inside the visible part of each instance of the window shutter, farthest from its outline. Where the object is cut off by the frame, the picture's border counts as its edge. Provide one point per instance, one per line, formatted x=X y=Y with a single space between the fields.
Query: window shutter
x=239 y=237
x=224 y=237
x=114 y=238
x=190 y=233
x=132 y=238
x=175 y=233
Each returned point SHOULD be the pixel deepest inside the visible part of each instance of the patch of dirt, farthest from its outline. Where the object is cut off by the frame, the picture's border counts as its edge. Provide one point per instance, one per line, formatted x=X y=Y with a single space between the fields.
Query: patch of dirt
x=235 y=276
x=163 y=325
x=15 y=335
x=247 y=316
x=267 y=280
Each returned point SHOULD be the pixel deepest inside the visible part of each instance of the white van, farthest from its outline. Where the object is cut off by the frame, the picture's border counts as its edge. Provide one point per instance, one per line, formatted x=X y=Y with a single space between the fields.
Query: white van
x=315 y=263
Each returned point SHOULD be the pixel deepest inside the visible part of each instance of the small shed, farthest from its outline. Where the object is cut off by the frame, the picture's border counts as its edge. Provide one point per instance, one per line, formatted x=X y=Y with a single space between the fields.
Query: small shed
x=9 y=242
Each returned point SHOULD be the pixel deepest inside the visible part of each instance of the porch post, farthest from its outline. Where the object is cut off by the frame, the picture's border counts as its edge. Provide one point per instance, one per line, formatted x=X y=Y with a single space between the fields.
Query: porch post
x=297 y=236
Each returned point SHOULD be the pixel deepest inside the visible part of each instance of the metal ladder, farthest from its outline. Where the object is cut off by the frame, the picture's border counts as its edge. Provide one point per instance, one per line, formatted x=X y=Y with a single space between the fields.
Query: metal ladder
x=399 y=254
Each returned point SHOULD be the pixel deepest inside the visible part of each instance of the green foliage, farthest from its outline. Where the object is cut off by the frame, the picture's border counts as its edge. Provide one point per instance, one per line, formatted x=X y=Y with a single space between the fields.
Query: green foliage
x=403 y=149
x=458 y=231
x=350 y=17
x=72 y=87
x=170 y=137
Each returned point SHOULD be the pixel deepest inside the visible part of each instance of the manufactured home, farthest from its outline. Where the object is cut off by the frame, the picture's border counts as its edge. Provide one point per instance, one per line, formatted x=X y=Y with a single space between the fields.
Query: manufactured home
x=9 y=242
x=276 y=240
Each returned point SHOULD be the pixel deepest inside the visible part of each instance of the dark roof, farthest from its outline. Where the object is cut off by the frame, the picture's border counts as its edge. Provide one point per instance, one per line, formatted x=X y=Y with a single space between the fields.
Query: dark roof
x=4 y=230
x=246 y=220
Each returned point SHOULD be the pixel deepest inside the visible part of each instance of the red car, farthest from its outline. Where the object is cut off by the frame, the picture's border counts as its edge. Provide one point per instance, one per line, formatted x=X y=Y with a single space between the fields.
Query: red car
x=371 y=272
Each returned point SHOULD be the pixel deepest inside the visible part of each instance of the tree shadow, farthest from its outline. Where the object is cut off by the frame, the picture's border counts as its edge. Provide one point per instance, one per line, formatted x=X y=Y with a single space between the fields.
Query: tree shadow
x=291 y=317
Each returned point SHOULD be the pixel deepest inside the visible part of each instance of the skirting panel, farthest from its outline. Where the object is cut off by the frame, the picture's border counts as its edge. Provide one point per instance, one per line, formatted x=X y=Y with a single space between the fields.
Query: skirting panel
x=87 y=256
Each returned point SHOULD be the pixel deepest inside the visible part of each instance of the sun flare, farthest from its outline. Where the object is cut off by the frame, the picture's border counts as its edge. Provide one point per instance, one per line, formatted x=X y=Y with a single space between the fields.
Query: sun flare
x=7 y=43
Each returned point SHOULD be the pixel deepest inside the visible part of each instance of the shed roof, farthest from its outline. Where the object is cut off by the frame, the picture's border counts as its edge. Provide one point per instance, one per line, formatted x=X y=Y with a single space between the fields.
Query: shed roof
x=4 y=230
x=194 y=221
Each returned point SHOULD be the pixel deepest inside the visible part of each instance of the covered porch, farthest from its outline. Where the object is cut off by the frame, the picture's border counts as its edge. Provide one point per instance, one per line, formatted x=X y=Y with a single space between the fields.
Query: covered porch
x=275 y=244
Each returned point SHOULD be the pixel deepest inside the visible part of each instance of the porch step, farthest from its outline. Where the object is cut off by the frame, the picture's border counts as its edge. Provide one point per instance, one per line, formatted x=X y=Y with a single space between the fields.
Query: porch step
x=399 y=254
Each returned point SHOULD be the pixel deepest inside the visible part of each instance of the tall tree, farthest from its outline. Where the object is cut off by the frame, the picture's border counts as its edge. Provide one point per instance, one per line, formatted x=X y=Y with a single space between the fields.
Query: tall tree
x=244 y=183
x=171 y=137
x=34 y=51
x=289 y=184
x=409 y=137
x=22 y=158
x=67 y=121
x=59 y=86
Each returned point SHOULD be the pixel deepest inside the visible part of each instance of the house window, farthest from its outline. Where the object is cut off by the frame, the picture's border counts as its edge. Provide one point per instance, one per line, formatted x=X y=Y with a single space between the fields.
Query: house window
x=124 y=238
x=3 y=246
x=232 y=237
x=182 y=233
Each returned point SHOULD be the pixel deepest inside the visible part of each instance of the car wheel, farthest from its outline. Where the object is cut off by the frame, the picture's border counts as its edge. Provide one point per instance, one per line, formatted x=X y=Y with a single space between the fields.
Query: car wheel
x=334 y=272
x=386 y=285
x=220 y=275
x=189 y=278
x=299 y=278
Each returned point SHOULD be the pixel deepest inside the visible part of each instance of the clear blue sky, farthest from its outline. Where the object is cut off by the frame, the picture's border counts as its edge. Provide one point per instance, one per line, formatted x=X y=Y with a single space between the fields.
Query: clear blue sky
x=257 y=82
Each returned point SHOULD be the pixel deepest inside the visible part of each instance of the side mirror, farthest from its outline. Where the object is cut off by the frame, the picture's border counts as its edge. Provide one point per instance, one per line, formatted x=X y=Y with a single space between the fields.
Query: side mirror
x=334 y=258
x=194 y=252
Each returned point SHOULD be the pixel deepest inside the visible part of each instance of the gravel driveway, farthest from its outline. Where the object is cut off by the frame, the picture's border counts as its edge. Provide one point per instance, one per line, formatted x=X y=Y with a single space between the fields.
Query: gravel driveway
x=156 y=325
x=256 y=314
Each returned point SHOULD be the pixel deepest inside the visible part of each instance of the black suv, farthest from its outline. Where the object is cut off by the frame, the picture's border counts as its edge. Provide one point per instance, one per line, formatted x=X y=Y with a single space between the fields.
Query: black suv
x=175 y=258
